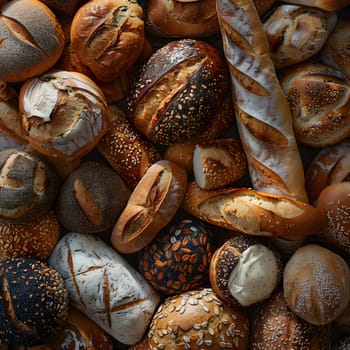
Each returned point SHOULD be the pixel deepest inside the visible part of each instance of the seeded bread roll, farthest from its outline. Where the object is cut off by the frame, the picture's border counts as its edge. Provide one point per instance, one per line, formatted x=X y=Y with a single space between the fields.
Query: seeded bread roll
x=64 y=114
x=277 y=327
x=33 y=301
x=245 y=270
x=336 y=51
x=181 y=18
x=32 y=40
x=197 y=319
x=296 y=33
x=263 y=116
x=177 y=92
x=128 y=152
x=108 y=36
x=319 y=100
x=316 y=284
x=104 y=286
x=253 y=213
x=151 y=206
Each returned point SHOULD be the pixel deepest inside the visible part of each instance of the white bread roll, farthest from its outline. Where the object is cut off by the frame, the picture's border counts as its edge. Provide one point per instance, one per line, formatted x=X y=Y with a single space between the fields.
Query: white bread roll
x=263 y=116
x=104 y=286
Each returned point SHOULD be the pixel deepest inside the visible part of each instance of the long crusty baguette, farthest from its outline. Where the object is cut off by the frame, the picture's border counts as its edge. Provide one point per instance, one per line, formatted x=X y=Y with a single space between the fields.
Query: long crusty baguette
x=263 y=116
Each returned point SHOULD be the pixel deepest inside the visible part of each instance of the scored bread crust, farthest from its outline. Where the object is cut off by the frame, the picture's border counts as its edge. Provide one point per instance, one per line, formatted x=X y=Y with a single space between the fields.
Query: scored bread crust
x=263 y=116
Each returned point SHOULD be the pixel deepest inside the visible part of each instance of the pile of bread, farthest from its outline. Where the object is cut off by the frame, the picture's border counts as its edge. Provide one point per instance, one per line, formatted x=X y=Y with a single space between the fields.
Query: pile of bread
x=175 y=174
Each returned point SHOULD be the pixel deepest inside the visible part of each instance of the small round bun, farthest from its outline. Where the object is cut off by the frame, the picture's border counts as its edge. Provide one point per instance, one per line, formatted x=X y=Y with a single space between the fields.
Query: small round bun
x=32 y=40
x=195 y=320
x=64 y=114
x=296 y=33
x=277 y=327
x=26 y=318
x=91 y=199
x=334 y=202
x=108 y=36
x=28 y=186
x=177 y=92
x=178 y=259
x=34 y=239
x=316 y=283
x=245 y=270
x=319 y=100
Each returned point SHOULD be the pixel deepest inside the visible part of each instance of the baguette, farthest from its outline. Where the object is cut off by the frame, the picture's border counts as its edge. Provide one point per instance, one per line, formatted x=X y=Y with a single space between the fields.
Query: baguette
x=253 y=213
x=263 y=116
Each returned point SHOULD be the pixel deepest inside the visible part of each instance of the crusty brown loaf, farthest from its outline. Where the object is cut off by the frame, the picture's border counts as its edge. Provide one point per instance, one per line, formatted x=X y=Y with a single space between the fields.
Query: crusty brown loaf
x=32 y=39
x=254 y=213
x=263 y=117
x=177 y=18
x=152 y=204
x=319 y=100
x=296 y=33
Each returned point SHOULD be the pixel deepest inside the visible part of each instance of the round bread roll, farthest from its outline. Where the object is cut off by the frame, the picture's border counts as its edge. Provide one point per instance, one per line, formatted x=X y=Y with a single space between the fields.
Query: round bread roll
x=26 y=318
x=319 y=100
x=151 y=206
x=196 y=320
x=32 y=39
x=328 y=5
x=28 y=186
x=64 y=114
x=295 y=33
x=182 y=18
x=108 y=36
x=179 y=257
x=334 y=202
x=277 y=327
x=218 y=163
x=336 y=51
x=128 y=152
x=34 y=239
x=245 y=270
x=316 y=283
x=91 y=199
x=177 y=92
x=330 y=165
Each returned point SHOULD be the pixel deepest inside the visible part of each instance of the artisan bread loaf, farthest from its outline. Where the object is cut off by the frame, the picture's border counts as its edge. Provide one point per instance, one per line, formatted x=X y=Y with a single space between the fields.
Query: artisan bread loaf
x=32 y=39
x=263 y=116
x=104 y=286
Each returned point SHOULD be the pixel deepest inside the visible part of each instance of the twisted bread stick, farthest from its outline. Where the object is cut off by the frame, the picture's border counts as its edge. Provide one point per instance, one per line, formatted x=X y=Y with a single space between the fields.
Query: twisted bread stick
x=263 y=117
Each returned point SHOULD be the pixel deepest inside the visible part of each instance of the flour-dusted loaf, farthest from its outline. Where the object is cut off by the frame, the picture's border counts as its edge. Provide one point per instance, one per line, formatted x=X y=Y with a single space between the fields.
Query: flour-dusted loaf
x=104 y=286
x=263 y=116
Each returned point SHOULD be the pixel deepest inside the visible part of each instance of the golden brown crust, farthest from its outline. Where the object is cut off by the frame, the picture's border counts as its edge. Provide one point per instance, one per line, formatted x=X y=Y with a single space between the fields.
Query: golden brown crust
x=330 y=165
x=108 y=36
x=32 y=39
x=152 y=204
x=182 y=154
x=254 y=213
x=182 y=18
x=316 y=284
x=318 y=97
x=128 y=152
x=263 y=117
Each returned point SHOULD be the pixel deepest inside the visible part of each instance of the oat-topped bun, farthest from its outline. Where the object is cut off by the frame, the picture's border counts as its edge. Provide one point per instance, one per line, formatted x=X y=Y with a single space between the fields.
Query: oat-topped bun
x=32 y=39
x=196 y=320
x=33 y=301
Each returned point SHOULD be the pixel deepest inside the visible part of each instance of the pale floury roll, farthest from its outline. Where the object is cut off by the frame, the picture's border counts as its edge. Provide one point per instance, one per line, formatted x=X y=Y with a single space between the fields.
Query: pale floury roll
x=104 y=286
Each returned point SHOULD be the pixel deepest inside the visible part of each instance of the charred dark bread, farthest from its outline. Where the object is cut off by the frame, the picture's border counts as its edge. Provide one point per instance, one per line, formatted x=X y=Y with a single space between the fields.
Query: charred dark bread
x=245 y=270
x=33 y=301
x=32 y=38
x=197 y=319
x=28 y=186
x=64 y=114
x=176 y=93
x=91 y=198
x=277 y=327
x=108 y=36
